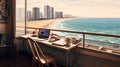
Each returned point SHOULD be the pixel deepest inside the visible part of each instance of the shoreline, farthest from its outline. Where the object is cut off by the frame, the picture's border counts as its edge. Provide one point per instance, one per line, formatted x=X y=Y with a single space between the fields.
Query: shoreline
x=40 y=24
x=51 y=25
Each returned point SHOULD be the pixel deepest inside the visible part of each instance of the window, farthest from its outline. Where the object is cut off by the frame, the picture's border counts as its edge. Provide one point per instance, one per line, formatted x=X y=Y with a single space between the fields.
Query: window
x=80 y=15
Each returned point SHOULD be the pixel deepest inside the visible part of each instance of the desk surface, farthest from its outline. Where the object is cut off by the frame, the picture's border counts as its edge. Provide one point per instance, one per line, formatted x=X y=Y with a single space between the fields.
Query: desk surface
x=50 y=43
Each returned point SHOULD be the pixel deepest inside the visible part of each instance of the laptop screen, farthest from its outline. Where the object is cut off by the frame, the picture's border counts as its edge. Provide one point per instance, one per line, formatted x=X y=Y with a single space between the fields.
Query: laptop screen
x=43 y=33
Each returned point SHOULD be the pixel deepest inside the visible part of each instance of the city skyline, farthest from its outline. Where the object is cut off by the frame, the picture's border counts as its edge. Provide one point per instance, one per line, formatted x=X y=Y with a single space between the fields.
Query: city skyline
x=36 y=14
x=82 y=8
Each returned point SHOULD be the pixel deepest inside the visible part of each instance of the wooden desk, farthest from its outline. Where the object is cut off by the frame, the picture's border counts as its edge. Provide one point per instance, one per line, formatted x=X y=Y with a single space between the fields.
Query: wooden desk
x=46 y=42
x=50 y=43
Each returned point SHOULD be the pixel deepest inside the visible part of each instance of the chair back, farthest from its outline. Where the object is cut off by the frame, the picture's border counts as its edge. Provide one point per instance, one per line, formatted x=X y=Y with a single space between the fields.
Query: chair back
x=36 y=50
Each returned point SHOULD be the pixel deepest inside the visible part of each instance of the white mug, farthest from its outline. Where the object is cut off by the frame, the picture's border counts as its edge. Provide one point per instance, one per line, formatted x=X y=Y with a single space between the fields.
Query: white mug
x=68 y=41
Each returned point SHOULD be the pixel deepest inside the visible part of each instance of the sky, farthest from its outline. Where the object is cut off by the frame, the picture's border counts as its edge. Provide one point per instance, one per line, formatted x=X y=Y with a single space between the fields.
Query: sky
x=81 y=8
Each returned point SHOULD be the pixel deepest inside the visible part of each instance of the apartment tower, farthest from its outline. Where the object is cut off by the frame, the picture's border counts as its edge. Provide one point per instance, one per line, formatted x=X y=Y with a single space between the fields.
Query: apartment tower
x=36 y=13
x=47 y=12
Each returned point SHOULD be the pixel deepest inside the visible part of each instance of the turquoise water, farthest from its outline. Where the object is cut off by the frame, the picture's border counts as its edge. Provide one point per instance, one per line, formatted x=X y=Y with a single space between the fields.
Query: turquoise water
x=97 y=25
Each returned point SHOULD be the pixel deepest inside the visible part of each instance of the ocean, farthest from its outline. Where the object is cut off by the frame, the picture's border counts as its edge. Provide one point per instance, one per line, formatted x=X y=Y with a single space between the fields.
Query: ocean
x=95 y=25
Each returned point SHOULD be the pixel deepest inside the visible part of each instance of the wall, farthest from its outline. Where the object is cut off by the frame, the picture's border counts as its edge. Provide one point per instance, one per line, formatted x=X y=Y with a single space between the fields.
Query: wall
x=3 y=28
x=8 y=28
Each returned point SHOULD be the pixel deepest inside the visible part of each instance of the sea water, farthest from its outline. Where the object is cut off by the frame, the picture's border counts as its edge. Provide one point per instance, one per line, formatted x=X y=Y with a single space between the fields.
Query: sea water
x=95 y=25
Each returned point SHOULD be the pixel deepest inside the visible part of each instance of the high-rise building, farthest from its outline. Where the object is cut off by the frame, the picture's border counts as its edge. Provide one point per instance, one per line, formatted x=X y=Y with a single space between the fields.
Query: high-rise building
x=47 y=12
x=36 y=13
x=58 y=14
x=51 y=12
x=29 y=15
x=20 y=14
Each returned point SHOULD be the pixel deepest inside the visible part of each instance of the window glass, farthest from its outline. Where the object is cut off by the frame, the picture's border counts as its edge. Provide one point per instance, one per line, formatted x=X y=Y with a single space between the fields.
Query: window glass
x=97 y=16
x=20 y=17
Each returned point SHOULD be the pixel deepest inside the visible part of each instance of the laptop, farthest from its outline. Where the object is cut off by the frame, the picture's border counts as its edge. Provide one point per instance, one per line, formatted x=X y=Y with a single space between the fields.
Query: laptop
x=43 y=34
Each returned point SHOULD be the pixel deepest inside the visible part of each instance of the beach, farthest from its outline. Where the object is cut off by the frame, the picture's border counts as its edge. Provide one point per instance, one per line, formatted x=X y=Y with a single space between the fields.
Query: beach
x=43 y=23
x=38 y=24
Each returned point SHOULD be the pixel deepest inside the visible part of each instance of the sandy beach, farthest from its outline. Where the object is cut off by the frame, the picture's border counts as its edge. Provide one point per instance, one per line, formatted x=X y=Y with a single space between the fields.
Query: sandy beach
x=38 y=24
x=43 y=23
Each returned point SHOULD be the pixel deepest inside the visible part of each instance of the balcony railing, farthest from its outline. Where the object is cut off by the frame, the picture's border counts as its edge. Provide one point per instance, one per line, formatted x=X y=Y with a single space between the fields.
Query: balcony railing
x=88 y=43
